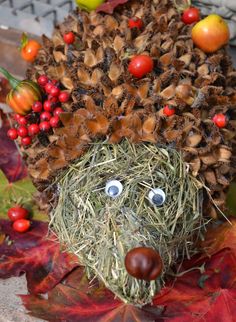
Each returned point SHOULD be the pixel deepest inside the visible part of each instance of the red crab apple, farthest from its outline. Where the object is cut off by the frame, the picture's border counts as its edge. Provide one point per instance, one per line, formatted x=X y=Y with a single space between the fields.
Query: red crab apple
x=17 y=212
x=191 y=15
x=135 y=23
x=140 y=65
x=169 y=110
x=220 y=120
x=21 y=225
x=69 y=38
x=210 y=34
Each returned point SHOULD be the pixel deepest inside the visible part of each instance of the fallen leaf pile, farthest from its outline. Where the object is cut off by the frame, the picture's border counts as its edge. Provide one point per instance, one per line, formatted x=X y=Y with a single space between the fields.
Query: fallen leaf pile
x=34 y=253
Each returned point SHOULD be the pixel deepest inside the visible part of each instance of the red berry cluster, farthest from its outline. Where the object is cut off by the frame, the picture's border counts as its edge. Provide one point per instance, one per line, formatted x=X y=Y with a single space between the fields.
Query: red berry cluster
x=44 y=116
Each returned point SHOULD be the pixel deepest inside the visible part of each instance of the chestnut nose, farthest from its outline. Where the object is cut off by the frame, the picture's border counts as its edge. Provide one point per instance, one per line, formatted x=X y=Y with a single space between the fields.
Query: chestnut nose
x=143 y=263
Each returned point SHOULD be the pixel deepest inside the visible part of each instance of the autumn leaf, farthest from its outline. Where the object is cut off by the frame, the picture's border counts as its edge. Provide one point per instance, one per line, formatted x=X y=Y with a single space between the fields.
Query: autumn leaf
x=78 y=300
x=21 y=193
x=195 y=296
x=110 y=5
x=220 y=237
x=203 y=296
x=36 y=254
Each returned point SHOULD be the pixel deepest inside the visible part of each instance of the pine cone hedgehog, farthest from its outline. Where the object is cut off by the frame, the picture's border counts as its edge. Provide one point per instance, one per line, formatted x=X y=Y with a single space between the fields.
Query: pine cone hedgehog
x=130 y=189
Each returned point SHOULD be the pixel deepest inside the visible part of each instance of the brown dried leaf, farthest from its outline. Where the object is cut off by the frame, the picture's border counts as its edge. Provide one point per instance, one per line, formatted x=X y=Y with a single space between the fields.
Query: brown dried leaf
x=208 y=159
x=210 y=177
x=168 y=92
x=115 y=71
x=143 y=90
x=67 y=83
x=99 y=31
x=56 y=72
x=203 y=70
x=99 y=125
x=224 y=154
x=193 y=139
x=149 y=125
x=119 y=43
x=186 y=59
x=96 y=77
x=57 y=39
x=83 y=76
x=118 y=91
x=66 y=118
x=166 y=59
x=141 y=42
x=172 y=135
x=195 y=165
x=40 y=170
x=186 y=93
x=59 y=56
x=90 y=59
x=111 y=23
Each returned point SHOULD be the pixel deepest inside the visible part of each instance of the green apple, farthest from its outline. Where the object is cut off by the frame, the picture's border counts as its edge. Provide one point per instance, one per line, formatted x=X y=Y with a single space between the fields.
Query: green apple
x=89 y=5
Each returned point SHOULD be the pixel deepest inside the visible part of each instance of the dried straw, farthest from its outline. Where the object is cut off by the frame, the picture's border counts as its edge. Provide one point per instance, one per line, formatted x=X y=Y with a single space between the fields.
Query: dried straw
x=101 y=230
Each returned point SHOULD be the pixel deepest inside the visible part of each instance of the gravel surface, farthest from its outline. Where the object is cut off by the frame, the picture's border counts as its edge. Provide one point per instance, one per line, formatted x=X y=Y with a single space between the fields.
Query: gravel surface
x=11 y=309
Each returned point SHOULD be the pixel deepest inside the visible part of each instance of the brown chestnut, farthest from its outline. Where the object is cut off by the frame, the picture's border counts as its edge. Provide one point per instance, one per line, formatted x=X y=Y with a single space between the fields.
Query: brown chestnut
x=143 y=263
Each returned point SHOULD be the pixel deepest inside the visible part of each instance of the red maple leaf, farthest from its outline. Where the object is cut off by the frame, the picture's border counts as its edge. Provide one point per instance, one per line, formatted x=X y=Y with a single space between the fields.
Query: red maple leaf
x=77 y=300
x=110 y=6
x=207 y=296
x=36 y=254
x=210 y=296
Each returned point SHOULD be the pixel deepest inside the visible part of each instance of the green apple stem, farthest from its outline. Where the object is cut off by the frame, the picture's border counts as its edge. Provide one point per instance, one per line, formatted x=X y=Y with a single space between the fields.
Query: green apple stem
x=12 y=80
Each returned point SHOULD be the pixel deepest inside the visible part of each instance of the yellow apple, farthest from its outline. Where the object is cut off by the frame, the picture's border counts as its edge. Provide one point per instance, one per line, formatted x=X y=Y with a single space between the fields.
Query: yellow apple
x=89 y=5
x=211 y=33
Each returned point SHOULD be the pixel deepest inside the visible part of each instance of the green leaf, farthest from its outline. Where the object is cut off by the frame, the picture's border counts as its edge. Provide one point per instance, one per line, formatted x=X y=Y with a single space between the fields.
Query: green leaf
x=20 y=192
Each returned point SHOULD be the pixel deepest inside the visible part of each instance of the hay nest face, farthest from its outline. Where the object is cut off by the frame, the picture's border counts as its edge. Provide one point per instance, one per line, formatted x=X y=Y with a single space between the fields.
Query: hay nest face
x=100 y=230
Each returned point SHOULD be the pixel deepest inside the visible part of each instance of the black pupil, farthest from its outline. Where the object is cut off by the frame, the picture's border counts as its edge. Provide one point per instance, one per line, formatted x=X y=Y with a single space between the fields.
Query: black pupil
x=113 y=191
x=158 y=200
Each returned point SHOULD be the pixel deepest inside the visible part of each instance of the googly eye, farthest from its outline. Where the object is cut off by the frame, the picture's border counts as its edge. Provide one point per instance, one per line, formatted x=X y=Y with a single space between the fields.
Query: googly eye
x=114 y=188
x=157 y=197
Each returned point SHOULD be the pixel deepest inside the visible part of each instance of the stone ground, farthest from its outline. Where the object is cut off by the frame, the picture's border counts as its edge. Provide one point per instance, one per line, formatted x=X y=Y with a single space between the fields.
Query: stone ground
x=11 y=309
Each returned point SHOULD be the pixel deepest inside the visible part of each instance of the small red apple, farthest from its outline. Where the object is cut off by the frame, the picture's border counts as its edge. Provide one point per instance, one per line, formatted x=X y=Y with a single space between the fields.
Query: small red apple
x=210 y=34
